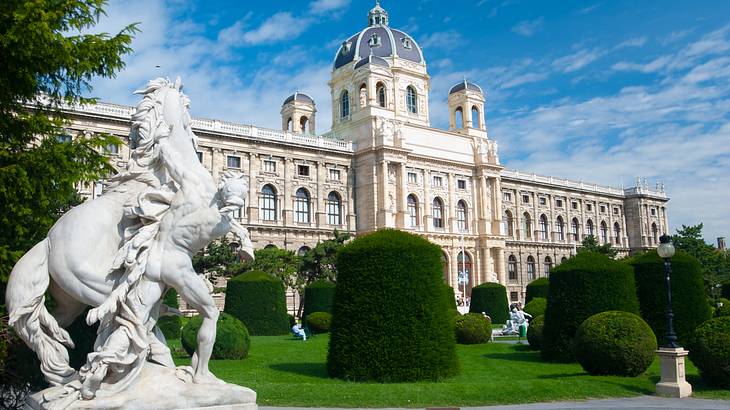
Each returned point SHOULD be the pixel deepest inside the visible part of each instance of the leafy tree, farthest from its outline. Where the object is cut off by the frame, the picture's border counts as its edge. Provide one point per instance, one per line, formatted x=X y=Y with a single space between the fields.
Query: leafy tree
x=45 y=63
x=319 y=262
x=715 y=263
x=218 y=259
x=590 y=244
x=279 y=263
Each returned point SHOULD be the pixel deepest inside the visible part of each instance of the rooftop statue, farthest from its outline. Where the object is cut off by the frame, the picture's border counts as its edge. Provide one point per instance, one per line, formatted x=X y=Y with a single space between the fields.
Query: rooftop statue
x=118 y=254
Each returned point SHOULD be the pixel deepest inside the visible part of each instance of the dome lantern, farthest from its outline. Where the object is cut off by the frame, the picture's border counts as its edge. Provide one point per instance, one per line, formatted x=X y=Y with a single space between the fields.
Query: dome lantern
x=377 y=16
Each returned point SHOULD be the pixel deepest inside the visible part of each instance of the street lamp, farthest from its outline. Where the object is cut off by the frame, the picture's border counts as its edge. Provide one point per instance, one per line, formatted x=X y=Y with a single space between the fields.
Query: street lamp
x=666 y=251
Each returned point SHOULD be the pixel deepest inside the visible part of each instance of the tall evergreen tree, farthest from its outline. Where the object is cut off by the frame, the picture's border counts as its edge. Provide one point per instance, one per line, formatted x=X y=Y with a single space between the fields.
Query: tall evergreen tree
x=715 y=263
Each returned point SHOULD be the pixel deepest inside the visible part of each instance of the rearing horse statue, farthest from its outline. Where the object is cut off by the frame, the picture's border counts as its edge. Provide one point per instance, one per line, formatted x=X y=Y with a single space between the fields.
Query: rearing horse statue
x=120 y=252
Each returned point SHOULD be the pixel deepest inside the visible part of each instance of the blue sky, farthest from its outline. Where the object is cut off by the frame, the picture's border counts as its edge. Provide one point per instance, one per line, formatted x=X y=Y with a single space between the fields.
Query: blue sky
x=600 y=91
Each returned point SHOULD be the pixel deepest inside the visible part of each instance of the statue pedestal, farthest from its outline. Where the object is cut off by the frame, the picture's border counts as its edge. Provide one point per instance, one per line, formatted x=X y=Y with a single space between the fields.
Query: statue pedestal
x=158 y=388
x=673 y=383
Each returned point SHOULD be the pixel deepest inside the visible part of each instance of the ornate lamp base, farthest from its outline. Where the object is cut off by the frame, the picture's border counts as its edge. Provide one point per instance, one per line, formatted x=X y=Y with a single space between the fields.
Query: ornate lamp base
x=673 y=383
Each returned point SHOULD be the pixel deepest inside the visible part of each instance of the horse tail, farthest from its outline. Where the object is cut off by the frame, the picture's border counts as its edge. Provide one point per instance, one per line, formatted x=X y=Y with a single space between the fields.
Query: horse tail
x=31 y=320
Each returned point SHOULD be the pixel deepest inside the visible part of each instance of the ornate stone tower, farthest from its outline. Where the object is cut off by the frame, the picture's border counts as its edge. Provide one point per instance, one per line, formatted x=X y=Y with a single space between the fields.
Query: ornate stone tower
x=466 y=109
x=297 y=114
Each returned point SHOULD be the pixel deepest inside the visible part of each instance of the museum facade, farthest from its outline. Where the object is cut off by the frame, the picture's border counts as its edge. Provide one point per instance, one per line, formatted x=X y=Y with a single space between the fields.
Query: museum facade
x=382 y=165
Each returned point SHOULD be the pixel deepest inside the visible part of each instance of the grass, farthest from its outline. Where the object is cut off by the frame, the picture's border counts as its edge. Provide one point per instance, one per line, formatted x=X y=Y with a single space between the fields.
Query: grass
x=288 y=372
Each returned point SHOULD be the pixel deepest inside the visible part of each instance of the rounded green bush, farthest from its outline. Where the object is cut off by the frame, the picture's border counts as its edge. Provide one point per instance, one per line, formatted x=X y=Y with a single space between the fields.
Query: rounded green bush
x=615 y=343
x=390 y=319
x=689 y=302
x=723 y=310
x=538 y=288
x=318 y=297
x=536 y=307
x=171 y=326
x=257 y=299
x=534 y=332
x=709 y=350
x=231 y=341
x=580 y=287
x=319 y=322
x=473 y=328
x=490 y=298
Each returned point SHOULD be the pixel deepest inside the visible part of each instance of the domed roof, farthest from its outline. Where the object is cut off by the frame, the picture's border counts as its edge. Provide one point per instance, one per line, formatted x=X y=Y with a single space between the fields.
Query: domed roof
x=378 y=40
x=299 y=97
x=465 y=85
x=371 y=59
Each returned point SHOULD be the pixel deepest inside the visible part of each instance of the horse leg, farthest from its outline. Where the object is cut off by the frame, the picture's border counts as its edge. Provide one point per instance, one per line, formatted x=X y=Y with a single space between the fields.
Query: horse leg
x=67 y=308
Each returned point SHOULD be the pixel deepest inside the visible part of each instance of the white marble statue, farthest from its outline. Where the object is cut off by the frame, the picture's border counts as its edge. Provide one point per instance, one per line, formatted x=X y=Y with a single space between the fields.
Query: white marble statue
x=119 y=253
x=517 y=318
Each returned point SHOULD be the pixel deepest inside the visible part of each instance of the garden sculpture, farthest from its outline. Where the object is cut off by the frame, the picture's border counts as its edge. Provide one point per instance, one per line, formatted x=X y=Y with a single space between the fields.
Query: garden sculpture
x=517 y=318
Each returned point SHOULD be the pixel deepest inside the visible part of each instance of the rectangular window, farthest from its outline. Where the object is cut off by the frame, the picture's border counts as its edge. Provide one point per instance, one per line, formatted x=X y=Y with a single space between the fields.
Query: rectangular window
x=574 y=205
x=270 y=166
x=303 y=170
x=603 y=209
x=615 y=211
x=559 y=203
x=513 y=296
x=589 y=207
x=512 y=270
x=63 y=138
x=461 y=184
x=412 y=178
x=233 y=161
x=653 y=211
x=507 y=197
x=525 y=199
x=438 y=181
x=334 y=174
x=543 y=200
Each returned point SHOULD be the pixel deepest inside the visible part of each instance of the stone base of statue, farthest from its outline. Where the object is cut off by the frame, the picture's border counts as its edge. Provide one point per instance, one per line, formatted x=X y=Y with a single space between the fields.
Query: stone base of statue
x=158 y=388
x=673 y=383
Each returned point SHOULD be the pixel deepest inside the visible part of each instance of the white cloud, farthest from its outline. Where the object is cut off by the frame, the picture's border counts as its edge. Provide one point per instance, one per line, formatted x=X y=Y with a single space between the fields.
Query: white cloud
x=280 y=26
x=528 y=28
x=650 y=67
x=326 y=6
x=441 y=39
x=576 y=61
x=632 y=42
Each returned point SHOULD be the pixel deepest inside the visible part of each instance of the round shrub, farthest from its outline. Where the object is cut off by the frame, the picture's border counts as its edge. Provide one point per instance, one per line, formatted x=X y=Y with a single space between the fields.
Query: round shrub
x=538 y=288
x=319 y=322
x=490 y=298
x=231 y=340
x=580 y=287
x=171 y=326
x=536 y=307
x=723 y=310
x=390 y=319
x=534 y=332
x=615 y=343
x=689 y=302
x=473 y=328
x=709 y=350
x=257 y=299
x=318 y=297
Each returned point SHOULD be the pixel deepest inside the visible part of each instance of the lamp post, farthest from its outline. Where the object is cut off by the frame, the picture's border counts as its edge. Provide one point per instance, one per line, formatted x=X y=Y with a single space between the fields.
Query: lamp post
x=666 y=251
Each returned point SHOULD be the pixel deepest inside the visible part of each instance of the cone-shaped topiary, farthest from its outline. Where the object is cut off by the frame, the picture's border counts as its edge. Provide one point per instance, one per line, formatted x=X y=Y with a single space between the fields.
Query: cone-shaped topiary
x=709 y=350
x=536 y=307
x=318 y=297
x=390 y=319
x=171 y=326
x=231 y=341
x=689 y=303
x=538 y=288
x=319 y=322
x=534 y=332
x=473 y=328
x=257 y=299
x=580 y=287
x=490 y=298
x=615 y=343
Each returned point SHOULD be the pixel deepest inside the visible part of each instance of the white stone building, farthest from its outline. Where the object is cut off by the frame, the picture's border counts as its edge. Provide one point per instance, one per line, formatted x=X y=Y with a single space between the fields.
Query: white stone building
x=383 y=166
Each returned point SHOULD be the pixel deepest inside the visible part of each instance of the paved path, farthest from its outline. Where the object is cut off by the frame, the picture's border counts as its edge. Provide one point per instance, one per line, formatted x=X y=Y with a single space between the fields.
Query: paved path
x=642 y=402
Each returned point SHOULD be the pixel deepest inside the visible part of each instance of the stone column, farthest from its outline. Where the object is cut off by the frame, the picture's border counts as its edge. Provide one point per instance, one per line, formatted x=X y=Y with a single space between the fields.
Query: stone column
x=499 y=257
x=402 y=195
x=318 y=208
x=485 y=207
x=286 y=199
x=427 y=221
x=452 y=226
x=382 y=203
x=253 y=190
x=496 y=204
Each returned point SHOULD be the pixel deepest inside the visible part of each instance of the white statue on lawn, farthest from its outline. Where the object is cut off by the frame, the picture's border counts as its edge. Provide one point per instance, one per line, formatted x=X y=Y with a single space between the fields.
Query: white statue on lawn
x=517 y=318
x=119 y=253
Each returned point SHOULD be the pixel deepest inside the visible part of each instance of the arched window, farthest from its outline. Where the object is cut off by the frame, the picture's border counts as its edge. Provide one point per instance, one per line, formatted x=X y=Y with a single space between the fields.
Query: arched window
x=617 y=233
x=461 y=216
x=438 y=213
x=547 y=265
x=512 y=267
x=475 y=117
x=412 y=210
x=267 y=203
x=458 y=118
x=411 y=100
x=654 y=233
x=303 y=123
x=270 y=246
x=574 y=230
x=560 y=228
x=543 y=227
x=563 y=259
x=590 y=230
x=345 y=104
x=508 y=224
x=530 y=268
x=380 y=91
x=526 y=226
x=301 y=206
x=445 y=266
x=289 y=124
x=464 y=267
x=334 y=209
x=604 y=232
x=303 y=250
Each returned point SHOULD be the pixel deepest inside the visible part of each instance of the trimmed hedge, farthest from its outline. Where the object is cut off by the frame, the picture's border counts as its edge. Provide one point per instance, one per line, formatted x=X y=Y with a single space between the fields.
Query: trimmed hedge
x=391 y=322
x=473 y=328
x=171 y=326
x=231 y=341
x=536 y=307
x=689 y=302
x=491 y=298
x=318 y=297
x=725 y=290
x=319 y=322
x=538 y=288
x=534 y=332
x=584 y=285
x=257 y=299
x=615 y=343
x=709 y=350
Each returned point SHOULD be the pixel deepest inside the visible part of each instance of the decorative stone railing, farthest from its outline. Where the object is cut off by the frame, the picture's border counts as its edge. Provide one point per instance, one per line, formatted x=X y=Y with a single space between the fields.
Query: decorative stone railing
x=567 y=183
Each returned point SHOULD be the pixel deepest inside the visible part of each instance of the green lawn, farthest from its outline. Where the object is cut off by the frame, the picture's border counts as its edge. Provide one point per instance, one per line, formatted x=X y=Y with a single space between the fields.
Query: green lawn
x=288 y=372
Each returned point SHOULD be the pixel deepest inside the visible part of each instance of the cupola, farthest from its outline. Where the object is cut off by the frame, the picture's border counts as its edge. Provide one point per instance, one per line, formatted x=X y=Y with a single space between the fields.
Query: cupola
x=297 y=114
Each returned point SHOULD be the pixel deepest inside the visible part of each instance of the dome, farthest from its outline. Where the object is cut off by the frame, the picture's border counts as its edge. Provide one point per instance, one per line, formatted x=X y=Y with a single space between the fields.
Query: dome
x=378 y=40
x=465 y=85
x=301 y=97
x=371 y=60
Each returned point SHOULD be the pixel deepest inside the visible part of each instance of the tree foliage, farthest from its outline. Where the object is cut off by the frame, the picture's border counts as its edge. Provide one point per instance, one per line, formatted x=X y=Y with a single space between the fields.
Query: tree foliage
x=319 y=262
x=590 y=244
x=715 y=263
x=279 y=263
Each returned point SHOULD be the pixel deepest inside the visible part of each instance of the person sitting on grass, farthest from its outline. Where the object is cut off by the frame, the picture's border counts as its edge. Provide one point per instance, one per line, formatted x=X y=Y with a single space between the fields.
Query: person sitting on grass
x=298 y=331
